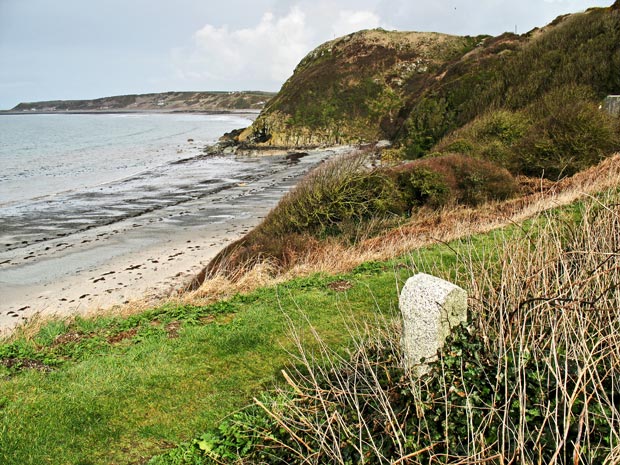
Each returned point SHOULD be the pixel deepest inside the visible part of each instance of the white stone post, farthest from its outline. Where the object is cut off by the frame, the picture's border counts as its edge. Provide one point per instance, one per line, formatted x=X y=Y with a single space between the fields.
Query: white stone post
x=430 y=308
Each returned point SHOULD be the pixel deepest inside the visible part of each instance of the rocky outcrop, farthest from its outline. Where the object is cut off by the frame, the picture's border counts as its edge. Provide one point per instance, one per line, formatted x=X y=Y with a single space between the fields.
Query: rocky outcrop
x=352 y=89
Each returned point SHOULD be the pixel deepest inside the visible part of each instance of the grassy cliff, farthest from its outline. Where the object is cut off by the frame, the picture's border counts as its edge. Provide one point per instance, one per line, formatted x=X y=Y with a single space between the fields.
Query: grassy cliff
x=415 y=88
x=354 y=88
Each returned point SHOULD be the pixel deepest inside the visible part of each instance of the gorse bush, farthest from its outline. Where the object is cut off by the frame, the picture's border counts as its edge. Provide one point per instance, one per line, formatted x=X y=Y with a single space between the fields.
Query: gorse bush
x=558 y=135
x=569 y=133
x=492 y=136
x=341 y=191
x=423 y=186
x=456 y=179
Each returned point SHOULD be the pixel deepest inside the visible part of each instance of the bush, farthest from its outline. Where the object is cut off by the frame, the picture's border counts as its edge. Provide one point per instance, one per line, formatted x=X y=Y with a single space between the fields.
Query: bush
x=339 y=198
x=340 y=191
x=426 y=187
x=492 y=136
x=570 y=134
x=457 y=179
x=558 y=135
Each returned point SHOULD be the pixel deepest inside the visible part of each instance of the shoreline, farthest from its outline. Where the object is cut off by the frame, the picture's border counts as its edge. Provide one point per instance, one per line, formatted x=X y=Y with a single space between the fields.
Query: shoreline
x=138 y=258
x=242 y=112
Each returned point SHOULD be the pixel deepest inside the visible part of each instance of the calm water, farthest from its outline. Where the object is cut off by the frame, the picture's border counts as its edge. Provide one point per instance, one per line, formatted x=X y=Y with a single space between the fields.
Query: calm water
x=62 y=174
x=41 y=155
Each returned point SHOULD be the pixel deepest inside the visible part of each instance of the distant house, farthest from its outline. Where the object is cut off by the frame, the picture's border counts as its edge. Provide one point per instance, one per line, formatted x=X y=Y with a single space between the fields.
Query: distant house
x=611 y=104
x=161 y=103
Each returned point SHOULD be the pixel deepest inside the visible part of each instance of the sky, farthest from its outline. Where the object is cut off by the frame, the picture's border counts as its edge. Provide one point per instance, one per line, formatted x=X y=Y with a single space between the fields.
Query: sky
x=84 y=49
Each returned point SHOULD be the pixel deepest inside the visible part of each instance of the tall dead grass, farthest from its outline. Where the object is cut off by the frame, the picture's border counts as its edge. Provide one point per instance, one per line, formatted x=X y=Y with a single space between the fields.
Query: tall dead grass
x=426 y=227
x=533 y=379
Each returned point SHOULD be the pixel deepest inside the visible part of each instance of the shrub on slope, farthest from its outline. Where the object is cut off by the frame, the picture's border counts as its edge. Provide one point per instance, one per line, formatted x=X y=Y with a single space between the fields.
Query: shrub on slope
x=346 y=199
x=558 y=135
x=510 y=72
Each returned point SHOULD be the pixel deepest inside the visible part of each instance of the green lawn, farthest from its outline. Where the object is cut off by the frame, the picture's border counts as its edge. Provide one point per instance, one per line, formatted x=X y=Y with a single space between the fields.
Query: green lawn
x=125 y=401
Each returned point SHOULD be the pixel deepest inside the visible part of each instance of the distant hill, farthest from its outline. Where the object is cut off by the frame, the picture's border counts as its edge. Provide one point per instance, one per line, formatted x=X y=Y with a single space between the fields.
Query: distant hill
x=168 y=101
x=355 y=87
x=416 y=88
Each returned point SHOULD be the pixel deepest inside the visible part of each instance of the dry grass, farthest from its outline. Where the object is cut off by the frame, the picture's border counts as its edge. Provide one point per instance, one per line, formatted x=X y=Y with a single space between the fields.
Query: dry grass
x=425 y=228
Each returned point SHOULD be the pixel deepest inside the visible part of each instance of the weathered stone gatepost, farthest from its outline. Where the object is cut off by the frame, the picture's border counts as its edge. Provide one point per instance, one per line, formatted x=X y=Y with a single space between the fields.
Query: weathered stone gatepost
x=430 y=308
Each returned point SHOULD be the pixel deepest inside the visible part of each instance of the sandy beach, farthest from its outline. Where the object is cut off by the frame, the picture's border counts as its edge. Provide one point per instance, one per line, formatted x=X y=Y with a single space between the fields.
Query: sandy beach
x=76 y=268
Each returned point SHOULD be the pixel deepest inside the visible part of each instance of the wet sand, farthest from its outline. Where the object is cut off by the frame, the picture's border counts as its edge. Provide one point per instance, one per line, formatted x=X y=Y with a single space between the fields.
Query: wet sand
x=70 y=262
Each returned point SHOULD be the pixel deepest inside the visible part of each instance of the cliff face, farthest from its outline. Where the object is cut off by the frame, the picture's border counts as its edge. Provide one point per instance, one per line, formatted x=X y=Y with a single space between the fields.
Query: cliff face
x=414 y=88
x=353 y=88
x=169 y=101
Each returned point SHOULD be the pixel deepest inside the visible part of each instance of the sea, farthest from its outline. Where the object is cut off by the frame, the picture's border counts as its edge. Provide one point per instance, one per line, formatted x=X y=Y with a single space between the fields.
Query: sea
x=46 y=154
x=89 y=169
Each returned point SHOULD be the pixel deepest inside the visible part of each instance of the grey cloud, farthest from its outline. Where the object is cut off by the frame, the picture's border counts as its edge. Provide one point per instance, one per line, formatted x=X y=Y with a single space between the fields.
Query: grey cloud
x=83 y=49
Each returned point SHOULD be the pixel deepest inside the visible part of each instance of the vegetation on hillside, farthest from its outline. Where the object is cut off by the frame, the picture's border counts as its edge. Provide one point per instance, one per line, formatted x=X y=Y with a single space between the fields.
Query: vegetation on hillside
x=352 y=89
x=347 y=199
x=415 y=89
x=558 y=135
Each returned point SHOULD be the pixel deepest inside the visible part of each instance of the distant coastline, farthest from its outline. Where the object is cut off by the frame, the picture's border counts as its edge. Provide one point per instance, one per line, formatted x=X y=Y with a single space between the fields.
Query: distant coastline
x=167 y=102
x=252 y=113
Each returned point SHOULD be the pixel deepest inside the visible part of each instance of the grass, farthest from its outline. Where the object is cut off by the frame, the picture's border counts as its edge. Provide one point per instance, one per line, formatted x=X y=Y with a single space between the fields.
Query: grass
x=532 y=378
x=105 y=402
x=118 y=387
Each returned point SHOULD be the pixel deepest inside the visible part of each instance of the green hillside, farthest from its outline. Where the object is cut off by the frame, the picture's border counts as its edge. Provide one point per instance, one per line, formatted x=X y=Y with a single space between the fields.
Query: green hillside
x=415 y=88
x=354 y=88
